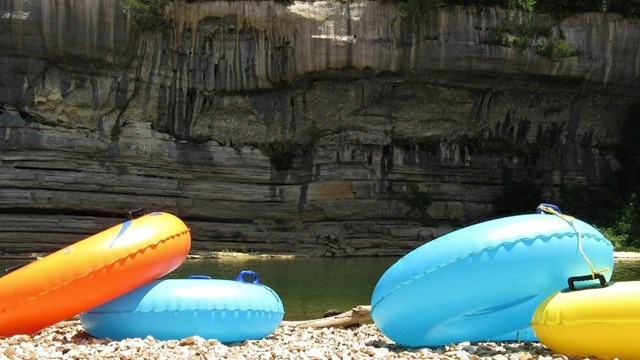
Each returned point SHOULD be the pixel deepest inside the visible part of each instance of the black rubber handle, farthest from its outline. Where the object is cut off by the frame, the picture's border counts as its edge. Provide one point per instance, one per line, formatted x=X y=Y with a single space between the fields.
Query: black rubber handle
x=573 y=279
x=134 y=214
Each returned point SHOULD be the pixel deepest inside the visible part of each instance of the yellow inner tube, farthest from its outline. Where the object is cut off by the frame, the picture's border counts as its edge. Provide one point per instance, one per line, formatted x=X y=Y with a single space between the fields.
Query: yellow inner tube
x=603 y=322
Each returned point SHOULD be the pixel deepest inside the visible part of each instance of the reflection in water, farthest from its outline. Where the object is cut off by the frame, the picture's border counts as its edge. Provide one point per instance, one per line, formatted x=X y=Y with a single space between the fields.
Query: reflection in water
x=310 y=286
x=626 y=269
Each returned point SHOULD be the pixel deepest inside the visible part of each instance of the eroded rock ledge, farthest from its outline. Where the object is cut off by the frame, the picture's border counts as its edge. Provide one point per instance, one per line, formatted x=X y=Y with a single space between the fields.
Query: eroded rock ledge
x=320 y=128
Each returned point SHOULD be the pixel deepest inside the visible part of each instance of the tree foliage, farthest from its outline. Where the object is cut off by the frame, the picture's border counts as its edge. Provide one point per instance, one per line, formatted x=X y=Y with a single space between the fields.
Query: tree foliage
x=417 y=12
x=625 y=231
x=556 y=50
x=146 y=15
x=561 y=8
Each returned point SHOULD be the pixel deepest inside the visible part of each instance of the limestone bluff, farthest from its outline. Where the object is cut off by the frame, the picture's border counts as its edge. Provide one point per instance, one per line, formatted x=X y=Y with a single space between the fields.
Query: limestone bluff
x=322 y=127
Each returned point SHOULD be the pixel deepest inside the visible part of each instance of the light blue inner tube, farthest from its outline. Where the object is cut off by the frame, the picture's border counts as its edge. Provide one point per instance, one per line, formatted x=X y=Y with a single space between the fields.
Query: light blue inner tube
x=173 y=309
x=485 y=280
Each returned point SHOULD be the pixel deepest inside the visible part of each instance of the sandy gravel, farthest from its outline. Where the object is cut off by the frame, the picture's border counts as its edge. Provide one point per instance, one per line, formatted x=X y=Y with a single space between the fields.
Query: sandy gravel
x=69 y=340
x=626 y=255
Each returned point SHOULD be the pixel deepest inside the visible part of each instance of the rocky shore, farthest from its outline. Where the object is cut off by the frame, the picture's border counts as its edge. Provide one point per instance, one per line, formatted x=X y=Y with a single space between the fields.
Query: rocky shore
x=69 y=340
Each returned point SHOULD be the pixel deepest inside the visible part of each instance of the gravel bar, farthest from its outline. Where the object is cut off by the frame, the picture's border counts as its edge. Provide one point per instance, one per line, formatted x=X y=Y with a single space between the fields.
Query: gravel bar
x=69 y=340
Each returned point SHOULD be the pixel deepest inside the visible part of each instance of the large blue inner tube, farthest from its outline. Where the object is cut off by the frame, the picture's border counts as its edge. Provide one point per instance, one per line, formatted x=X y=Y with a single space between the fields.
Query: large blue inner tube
x=484 y=280
x=177 y=308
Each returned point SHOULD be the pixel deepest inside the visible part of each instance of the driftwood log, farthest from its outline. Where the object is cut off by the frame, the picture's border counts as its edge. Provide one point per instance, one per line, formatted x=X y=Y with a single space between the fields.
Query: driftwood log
x=360 y=314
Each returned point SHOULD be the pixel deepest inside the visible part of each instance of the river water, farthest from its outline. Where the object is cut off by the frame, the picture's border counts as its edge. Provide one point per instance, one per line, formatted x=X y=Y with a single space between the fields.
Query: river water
x=310 y=286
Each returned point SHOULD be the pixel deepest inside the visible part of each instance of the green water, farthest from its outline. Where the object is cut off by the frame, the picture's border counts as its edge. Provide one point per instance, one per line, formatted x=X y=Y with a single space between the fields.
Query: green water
x=626 y=270
x=307 y=286
x=310 y=286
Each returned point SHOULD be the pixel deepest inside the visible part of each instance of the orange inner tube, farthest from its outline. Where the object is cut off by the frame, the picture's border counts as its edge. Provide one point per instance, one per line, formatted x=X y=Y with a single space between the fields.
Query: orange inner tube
x=91 y=272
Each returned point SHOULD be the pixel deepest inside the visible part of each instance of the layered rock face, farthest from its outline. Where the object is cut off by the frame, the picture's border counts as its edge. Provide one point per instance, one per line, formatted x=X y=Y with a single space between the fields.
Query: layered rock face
x=322 y=128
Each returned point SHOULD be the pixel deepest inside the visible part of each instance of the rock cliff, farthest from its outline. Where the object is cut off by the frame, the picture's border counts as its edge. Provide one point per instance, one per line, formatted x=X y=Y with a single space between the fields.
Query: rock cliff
x=323 y=128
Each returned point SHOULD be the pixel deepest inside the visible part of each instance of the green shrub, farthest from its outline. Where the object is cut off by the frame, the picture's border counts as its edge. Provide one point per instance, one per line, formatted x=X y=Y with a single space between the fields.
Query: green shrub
x=560 y=8
x=517 y=35
x=616 y=239
x=313 y=133
x=625 y=232
x=503 y=37
x=628 y=8
x=146 y=15
x=556 y=50
x=617 y=217
x=520 y=43
x=416 y=13
x=564 y=8
x=524 y=5
x=418 y=202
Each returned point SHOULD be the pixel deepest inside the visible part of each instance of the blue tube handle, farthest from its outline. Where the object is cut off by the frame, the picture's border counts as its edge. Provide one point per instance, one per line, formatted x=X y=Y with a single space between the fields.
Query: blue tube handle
x=248 y=273
x=551 y=206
